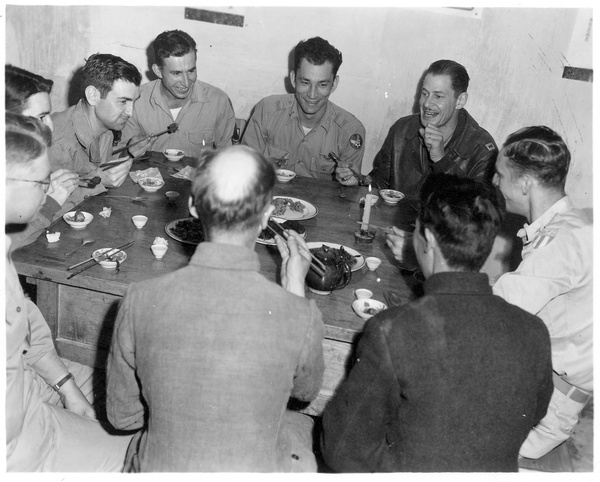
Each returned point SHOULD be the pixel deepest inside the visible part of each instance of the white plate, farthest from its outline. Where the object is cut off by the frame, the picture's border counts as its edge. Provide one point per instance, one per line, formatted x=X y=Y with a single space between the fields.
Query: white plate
x=173 y=224
x=310 y=211
x=359 y=259
x=360 y=306
x=271 y=242
x=108 y=262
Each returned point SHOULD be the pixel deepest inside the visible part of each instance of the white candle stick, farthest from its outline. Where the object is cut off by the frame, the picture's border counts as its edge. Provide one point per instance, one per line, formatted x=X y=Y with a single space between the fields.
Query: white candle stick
x=367 y=212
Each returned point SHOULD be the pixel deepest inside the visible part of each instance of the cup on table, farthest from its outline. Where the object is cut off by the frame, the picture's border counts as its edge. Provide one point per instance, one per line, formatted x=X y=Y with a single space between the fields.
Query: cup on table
x=373 y=263
x=363 y=293
x=159 y=250
x=139 y=221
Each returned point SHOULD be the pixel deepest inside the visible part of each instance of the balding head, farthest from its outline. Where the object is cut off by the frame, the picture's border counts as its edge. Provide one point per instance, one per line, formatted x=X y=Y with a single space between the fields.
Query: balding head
x=232 y=189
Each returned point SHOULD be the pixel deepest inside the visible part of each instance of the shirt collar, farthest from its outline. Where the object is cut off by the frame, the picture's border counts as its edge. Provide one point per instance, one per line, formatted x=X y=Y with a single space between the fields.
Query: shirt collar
x=325 y=120
x=198 y=94
x=459 y=282
x=529 y=231
x=225 y=256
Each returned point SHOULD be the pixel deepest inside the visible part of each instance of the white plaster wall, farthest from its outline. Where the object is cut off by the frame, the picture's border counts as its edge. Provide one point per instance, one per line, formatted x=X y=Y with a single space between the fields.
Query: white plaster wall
x=515 y=57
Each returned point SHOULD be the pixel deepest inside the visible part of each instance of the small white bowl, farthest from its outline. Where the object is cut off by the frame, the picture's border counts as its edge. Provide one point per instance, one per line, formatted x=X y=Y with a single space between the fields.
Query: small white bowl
x=391 y=196
x=139 y=220
x=172 y=195
x=151 y=184
x=68 y=217
x=361 y=307
x=374 y=199
x=110 y=262
x=373 y=263
x=159 y=250
x=284 y=175
x=173 y=154
x=363 y=294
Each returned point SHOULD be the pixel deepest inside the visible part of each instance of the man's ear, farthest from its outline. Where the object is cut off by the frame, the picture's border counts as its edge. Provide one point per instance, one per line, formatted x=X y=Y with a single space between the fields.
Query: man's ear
x=336 y=81
x=192 y=208
x=526 y=183
x=461 y=100
x=266 y=216
x=92 y=95
x=430 y=239
x=293 y=78
x=157 y=71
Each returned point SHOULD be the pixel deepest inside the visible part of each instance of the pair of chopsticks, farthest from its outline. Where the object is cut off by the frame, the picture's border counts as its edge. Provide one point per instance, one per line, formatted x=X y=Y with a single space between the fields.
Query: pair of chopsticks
x=172 y=128
x=102 y=257
x=366 y=180
x=315 y=263
x=110 y=165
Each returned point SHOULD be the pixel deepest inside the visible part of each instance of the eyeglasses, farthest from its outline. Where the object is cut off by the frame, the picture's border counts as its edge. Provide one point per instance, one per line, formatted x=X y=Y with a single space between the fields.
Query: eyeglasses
x=45 y=184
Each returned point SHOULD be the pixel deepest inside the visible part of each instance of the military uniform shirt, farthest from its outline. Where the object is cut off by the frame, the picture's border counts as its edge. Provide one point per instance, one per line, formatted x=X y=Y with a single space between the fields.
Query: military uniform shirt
x=274 y=129
x=554 y=281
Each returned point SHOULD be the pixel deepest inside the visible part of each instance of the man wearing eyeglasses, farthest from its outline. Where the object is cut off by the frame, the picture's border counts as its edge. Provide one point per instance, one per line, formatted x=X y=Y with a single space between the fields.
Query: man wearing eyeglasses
x=51 y=425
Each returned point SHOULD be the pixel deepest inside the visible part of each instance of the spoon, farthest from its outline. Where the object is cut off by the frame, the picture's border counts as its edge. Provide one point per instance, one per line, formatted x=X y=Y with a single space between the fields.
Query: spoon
x=83 y=243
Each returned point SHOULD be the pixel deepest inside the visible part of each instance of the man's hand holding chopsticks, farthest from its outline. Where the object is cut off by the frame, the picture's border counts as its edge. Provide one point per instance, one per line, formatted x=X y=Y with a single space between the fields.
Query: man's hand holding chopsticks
x=115 y=176
x=142 y=144
x=294 y=265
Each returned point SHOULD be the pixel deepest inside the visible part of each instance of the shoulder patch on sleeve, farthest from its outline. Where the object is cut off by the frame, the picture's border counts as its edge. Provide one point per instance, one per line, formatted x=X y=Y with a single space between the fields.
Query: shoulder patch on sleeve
x=543 y=238
x=490 y=146
x=356 y=141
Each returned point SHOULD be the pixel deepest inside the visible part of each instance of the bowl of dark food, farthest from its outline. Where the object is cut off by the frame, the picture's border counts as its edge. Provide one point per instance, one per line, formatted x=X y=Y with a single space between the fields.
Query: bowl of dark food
x=284 y=175
x=78 y=219
x=151 y=184
x=112 y=260
x=267 y=237
x=186 y=230
x=173 y=154
x=391 y=196
x=337 y=272
x=366 y=308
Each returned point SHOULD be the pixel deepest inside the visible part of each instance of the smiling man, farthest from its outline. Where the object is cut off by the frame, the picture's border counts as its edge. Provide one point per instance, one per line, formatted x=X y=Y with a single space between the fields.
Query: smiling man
x=83 y=139
x=203 y=113
x=298 y=131
x=441 y=138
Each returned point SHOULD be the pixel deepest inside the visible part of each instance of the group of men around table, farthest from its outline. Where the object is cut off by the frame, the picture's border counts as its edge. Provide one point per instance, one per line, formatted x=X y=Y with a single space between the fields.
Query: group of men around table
x=466 y=378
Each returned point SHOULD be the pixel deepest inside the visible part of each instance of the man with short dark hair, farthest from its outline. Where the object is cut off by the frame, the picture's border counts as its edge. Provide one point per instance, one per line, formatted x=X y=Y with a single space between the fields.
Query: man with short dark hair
x=83 y=137
x=554 y=279
x=441 y=138
x=203 y=360
x=203 y=113
x=51 y=424
x=298 y=131
x=455 y=380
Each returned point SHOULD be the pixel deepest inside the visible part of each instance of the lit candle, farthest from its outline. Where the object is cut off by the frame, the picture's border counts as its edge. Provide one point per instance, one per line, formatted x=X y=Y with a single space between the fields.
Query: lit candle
x=367 y=212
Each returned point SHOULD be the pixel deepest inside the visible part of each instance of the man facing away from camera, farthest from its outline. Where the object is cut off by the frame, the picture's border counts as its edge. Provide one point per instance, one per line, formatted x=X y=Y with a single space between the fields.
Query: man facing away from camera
x=203 y=113
x=554 y=279
x=298 y=131
x=455 y=380
x=203 y=360
x=442 y=138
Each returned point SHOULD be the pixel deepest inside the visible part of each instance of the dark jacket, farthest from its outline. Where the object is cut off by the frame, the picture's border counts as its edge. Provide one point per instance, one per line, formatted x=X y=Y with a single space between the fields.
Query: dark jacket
x=403 y=162
x=451 y=382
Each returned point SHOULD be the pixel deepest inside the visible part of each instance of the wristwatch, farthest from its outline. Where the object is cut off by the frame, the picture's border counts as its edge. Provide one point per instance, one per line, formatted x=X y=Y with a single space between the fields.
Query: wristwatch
x=62 y=381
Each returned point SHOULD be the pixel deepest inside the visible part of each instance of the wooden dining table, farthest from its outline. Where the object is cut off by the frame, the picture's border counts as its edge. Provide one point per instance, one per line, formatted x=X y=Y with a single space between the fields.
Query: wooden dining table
x=81 y=309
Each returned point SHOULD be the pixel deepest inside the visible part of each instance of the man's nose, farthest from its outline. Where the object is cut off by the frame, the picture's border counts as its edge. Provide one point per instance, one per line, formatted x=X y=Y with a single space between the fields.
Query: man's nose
x=129 y=109
x=313 y=92
x=49 y=123
x=495 y=180
x=185 y=80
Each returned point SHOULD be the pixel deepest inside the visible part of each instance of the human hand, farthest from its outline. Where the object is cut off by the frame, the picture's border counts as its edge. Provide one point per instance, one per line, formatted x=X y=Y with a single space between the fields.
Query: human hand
x=400 y=242
x=145 y=145
x=294 y=265
x=62 y=183
x=116 y=176
x=74 y=400
x=434 y=141
x=345 y=176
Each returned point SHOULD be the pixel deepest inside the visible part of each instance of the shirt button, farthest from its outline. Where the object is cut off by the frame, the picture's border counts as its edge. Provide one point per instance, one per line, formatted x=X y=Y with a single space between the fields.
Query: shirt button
x=18 y=309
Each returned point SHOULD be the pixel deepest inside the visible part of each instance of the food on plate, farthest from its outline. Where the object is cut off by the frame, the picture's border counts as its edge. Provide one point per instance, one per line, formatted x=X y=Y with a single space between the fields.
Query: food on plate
x=282 y=203
x=189 y=230
x=267 y=234
x=372 y=311
x=150 y=181
x=78 y=217
x=340 y=255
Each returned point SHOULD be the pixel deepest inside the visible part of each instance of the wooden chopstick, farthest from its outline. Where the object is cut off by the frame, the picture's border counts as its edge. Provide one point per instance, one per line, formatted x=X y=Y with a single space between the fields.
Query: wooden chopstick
x=104 y=256
x=172 y=128
x=315 y=263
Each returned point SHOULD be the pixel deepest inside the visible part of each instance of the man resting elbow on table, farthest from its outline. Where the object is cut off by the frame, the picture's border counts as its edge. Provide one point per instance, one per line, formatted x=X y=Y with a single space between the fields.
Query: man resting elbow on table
x=203 y=360
x=455 y=380
x=83 y=137
x=50 y=421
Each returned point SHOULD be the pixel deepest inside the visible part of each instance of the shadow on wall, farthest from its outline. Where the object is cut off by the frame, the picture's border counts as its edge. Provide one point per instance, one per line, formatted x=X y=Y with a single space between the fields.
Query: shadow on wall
x=75 y=89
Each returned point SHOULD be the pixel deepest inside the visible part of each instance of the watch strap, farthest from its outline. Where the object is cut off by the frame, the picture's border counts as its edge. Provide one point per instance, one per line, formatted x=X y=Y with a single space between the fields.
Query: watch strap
x=62 y=381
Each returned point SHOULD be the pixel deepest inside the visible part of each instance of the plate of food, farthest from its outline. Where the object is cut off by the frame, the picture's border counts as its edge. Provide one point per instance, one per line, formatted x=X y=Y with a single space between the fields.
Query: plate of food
x=267 y=237
x=291 y=208
x=186 y=230
x=366 y=308
x=355 y=259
